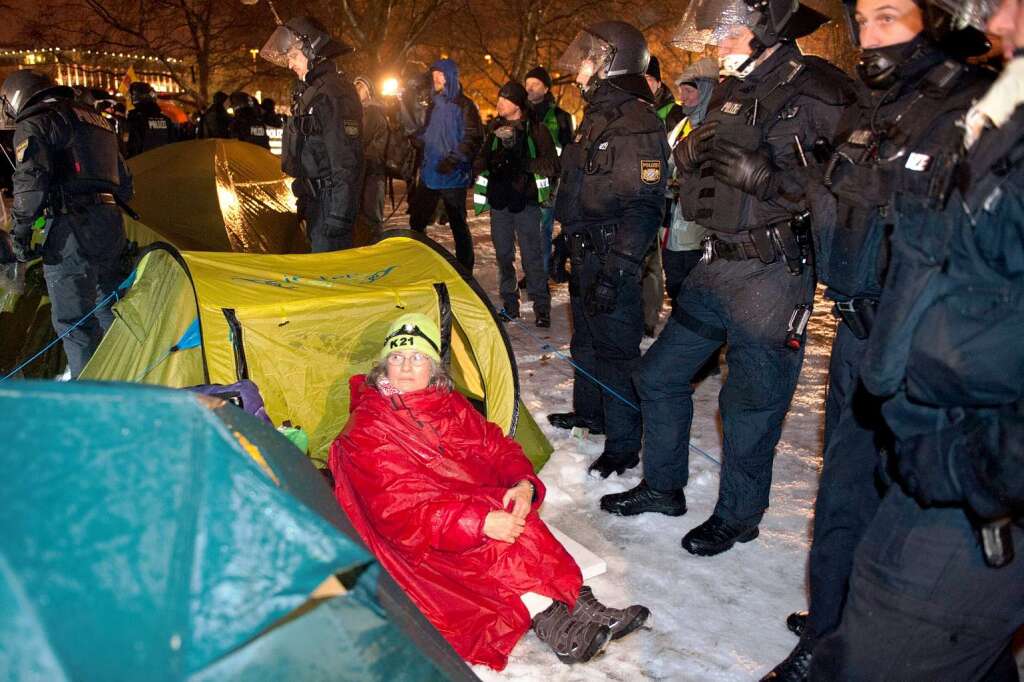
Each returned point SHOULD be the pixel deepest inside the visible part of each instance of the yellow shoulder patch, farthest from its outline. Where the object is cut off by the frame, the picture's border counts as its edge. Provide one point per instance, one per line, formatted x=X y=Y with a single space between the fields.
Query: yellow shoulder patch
x=19 y=151
x=650 y=171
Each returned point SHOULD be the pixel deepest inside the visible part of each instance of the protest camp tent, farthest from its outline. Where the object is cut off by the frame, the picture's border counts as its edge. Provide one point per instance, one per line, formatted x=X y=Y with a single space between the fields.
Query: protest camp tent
x=148 y=536
x=214 y=195
x=202 y=195
x=300 y=325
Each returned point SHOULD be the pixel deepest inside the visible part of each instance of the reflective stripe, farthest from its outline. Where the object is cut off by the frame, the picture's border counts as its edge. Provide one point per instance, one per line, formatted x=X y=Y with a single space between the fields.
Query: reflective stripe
x=480 y=199
x=542 y=182
x=481 y=180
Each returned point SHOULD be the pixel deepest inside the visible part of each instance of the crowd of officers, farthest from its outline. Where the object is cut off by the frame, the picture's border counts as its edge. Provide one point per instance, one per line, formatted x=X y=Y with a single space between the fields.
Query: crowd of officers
x=145 y=125
x=901 y=190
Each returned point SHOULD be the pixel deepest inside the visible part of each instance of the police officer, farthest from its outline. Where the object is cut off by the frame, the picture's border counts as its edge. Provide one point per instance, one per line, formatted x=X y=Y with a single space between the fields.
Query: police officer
x=935 y=592
x=247 y=120
x=321 y=147
x=741 y=174
x=68 y=172
x=610 y=204
x=148 y=127
x=909 y=95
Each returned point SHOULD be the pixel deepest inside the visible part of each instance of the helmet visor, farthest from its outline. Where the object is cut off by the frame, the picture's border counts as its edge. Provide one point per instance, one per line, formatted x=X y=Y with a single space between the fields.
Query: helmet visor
x=280 y=44
x=709 y=22
x=964 y=13
x=587 y=54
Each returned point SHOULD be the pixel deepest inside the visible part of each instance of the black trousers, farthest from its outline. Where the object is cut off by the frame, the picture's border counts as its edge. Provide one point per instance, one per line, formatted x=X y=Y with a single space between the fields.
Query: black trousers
x=923 y=605
x=82 y=266
x=848 y=492
x=748 y=304
x=421 y=214
x=607 y=346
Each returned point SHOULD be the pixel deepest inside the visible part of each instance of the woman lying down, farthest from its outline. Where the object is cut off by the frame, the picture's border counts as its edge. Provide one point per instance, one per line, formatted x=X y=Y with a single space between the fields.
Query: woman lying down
x=448 y=504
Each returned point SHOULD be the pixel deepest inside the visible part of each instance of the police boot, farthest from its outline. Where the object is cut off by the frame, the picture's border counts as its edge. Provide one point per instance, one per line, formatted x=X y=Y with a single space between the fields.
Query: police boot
x=621 y=622
x=717 y=535
x=796 y=666
x=644 y=498
x=543 y=317
x=511 y=306
x=797 y=622
x=573 y=638
x=614 y=463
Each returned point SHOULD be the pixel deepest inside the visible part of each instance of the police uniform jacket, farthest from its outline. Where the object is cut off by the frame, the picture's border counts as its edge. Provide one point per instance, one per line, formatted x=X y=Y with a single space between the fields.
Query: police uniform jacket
x=321 y=146
x=614 y=174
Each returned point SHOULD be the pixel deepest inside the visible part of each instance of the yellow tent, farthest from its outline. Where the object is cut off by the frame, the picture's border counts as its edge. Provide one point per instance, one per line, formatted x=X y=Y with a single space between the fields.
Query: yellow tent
x=300 y=325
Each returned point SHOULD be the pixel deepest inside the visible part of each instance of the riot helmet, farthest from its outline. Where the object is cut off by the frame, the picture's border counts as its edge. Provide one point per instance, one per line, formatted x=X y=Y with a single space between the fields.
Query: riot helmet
x=607 y=50
x=720 y=22
x=308 y=36
x=22 y=89
x=922 y=24
x=241 y=100
x=140 y=91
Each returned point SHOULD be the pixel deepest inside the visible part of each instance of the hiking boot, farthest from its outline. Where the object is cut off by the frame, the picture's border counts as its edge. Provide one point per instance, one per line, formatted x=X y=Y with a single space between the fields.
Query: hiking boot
x=511 y=307
x=717 y=535
x=543 y=318
x=796 y=622
x=621 y=622
x=644 y=498
x=614 y=462
x=795 y=667
x=570 y=420
x=573 y=638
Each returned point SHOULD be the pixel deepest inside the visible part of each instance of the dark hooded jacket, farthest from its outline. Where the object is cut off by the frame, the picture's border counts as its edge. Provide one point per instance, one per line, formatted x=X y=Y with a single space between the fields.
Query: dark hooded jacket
x=453 y=133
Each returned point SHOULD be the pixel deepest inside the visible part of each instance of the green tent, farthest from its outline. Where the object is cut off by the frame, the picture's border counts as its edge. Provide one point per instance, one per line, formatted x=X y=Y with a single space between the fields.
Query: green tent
x=148 y=537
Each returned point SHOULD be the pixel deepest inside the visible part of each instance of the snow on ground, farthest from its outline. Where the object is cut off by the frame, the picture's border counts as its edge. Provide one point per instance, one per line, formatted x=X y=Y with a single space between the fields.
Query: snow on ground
x=717 y=618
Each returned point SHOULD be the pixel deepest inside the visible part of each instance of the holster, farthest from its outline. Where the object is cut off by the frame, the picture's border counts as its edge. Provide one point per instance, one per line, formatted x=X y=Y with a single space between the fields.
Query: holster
x=858 y=314
x=597 y=240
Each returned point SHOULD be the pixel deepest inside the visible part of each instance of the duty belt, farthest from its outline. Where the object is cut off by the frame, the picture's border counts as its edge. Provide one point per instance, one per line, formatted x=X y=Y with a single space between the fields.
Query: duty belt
x=858 y=314
x=75 y=201
x=716 y=248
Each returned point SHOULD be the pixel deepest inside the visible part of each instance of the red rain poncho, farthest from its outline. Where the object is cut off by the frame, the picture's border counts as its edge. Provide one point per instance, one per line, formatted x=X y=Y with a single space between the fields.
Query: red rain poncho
x=417 y=474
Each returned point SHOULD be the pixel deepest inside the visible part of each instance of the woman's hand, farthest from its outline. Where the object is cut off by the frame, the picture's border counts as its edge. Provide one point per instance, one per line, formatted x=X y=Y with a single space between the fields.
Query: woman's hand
x=503 y=527
x=521 y=497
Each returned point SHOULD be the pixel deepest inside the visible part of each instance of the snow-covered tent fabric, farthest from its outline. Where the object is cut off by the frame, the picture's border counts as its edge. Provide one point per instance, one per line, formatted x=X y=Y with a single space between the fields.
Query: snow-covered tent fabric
x=300 y=325
x=147 y=538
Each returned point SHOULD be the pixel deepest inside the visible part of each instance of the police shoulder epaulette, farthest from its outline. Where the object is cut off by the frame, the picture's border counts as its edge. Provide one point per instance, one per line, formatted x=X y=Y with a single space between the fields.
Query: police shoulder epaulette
x=823 y=81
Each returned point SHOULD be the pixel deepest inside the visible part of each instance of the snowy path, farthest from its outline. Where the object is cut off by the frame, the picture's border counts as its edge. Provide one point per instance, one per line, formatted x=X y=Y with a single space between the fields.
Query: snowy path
x=718 y=618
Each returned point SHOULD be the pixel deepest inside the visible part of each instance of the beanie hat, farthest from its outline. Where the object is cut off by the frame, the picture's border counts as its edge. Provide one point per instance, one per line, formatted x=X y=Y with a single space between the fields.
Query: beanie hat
x=414 y=331
x=515 y=93
x=654 y=68
x=540 y=74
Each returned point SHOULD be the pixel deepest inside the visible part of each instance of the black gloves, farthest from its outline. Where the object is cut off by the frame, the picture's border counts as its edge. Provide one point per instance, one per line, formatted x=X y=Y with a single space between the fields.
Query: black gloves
x=21 y=243
x=749 y=171
x=600 y=298
x=695 y=148
x=974 y=461
x=559 y=257
x=447 y=165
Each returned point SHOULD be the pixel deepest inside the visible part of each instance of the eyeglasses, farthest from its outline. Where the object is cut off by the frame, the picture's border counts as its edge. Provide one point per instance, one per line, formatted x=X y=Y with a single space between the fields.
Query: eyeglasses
x=417 y=359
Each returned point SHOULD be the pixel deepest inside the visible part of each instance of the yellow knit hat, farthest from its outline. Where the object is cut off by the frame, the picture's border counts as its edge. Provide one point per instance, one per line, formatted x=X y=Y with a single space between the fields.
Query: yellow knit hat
x=414 y=331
